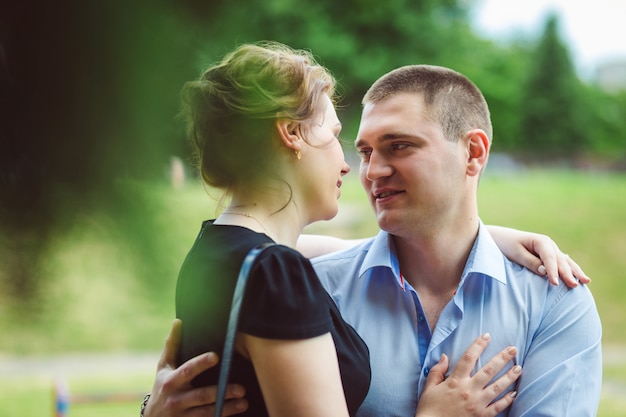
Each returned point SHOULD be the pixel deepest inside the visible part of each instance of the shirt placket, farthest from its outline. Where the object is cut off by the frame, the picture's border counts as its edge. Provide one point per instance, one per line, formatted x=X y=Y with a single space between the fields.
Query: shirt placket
x=423 y=333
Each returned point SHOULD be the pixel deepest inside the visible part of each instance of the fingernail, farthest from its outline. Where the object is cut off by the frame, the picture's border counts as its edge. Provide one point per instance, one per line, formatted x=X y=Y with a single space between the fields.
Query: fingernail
x=442 y=358
x=211 y=357
x=485 y=336
x=237 y=390
x=517 y=369
x=511 y=350
x=240 y=405
x=513 y=394
x=541 y=270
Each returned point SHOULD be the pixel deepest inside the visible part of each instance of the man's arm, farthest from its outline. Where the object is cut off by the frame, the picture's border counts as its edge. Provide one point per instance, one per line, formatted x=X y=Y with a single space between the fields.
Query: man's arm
x=563 y=364
x=474 y=394
x=172 y=393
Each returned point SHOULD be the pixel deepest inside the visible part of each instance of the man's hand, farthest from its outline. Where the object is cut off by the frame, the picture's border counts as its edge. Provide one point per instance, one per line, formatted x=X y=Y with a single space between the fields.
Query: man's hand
x=172 y=393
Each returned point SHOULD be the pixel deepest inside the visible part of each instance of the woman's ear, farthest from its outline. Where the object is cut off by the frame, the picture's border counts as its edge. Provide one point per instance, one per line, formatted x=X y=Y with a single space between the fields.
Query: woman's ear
x=288 y=132
x=478 y=151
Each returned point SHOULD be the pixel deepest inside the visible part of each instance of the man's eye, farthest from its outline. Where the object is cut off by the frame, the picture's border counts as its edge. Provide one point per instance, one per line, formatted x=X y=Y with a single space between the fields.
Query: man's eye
x=363 y=152
x=399 y=146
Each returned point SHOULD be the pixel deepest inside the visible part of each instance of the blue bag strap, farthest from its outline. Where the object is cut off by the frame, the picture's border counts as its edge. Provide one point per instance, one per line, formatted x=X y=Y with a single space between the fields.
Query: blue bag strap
x=231 y=330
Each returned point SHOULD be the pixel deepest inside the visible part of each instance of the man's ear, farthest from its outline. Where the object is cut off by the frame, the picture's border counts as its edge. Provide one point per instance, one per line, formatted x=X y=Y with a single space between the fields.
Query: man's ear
x=478 y=151
x=289 y=134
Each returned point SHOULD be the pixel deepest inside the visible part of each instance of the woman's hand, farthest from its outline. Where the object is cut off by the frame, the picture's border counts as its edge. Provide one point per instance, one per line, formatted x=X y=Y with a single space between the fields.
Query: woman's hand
x=538 y=253
x=172 y=393
x=466 y=395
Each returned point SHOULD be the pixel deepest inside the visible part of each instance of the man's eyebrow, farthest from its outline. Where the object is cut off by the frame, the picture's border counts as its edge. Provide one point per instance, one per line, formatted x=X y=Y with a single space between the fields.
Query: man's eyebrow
x=384 y=138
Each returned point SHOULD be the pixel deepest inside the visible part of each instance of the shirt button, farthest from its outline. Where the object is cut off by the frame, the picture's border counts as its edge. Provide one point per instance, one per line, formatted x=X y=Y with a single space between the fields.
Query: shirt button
x=426 y=370
x=420 y=318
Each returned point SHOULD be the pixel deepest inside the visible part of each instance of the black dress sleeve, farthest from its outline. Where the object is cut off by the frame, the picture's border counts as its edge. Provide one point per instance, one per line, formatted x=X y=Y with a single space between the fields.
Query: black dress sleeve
x=284 y=298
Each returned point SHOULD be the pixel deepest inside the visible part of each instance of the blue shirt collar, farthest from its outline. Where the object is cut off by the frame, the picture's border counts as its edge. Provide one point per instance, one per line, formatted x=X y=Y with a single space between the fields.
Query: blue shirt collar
x=485 y=257
x=382 y=254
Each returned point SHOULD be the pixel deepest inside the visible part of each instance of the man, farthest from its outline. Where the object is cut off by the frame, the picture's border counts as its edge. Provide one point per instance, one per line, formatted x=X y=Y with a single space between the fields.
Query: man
x=433 y=279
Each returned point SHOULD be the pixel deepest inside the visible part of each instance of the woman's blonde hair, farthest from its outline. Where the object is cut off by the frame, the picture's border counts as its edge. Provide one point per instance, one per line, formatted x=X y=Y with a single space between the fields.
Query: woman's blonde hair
x=231 y=109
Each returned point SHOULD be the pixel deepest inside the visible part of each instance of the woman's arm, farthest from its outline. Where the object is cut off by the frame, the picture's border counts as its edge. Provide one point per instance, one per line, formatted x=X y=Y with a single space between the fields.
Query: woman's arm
x=298 y=378
x=534 y=251
x=538 y=253
x=173 y=395
x=316 y=245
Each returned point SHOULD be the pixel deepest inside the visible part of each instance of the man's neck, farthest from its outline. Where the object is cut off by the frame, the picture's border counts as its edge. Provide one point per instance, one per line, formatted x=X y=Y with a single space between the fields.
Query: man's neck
x=433 y=264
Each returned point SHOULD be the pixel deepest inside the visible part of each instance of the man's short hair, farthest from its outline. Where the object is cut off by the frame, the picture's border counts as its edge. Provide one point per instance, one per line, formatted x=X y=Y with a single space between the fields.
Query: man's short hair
x=450 y=98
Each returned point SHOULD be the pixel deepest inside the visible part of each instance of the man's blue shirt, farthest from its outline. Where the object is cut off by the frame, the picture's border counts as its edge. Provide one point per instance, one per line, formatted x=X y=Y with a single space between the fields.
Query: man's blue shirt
x=556 y=330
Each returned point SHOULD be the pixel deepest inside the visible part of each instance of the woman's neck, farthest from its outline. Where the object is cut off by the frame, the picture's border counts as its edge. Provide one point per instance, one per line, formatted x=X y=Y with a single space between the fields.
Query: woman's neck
x=282 y=225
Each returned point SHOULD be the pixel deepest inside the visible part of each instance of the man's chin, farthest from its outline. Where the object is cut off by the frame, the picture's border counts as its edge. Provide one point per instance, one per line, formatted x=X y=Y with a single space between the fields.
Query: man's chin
x=387 y=222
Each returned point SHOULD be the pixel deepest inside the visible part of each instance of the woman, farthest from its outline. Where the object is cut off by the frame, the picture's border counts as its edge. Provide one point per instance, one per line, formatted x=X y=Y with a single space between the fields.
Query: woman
x=265 y=131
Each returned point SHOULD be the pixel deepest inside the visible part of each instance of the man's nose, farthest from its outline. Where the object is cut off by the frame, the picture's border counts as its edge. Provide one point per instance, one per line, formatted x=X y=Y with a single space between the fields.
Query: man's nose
x=377 y=167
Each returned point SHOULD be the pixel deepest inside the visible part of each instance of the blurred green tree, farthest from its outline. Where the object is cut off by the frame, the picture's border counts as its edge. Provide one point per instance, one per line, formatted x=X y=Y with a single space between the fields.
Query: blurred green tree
x=551 y=107
x=605 y=126
x=90 y=94
x=359 y=40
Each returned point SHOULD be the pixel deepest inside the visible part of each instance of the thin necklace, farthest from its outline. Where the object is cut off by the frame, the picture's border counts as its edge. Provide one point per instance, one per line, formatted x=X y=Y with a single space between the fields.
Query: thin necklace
x=250 y=216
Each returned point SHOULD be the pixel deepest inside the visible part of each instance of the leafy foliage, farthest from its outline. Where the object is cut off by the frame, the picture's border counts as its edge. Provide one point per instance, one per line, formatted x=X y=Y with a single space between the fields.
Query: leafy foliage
x=91 y=90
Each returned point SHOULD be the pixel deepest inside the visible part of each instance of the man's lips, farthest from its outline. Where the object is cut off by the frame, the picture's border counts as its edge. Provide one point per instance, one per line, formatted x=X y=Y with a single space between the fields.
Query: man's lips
x=378 y=195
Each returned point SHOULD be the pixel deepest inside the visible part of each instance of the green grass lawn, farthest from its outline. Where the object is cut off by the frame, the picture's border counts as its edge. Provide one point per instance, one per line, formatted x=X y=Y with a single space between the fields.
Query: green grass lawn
x=94 y=396
x=585 y=214
x=109 y=284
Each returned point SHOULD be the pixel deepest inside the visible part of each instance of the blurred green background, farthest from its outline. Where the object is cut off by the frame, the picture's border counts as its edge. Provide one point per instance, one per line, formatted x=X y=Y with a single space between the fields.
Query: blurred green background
x=94 y=222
